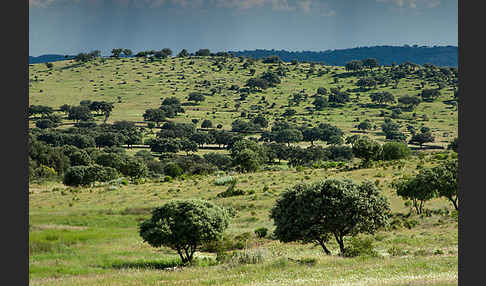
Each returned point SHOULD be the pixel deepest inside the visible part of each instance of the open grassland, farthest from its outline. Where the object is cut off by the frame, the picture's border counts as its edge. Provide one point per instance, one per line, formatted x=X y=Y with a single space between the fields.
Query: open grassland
x=89 y=236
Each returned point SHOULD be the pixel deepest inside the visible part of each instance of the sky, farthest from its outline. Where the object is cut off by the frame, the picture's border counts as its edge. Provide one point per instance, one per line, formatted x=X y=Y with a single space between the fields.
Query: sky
x=74 y=26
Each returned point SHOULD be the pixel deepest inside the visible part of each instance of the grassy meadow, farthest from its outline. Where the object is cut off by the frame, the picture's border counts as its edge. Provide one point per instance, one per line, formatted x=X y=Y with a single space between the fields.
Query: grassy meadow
x=89 y=235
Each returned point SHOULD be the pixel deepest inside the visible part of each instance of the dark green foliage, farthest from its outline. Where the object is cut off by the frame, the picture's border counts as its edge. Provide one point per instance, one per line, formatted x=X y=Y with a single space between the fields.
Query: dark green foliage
x=421 y=138
x=354 y=65
x=315 y=212
x=367 y=149
x=288 y=136
x=80 y=112
x=453 y=145
x=382 y=97
x=419 y=188
x=430 y=95
x=248 y=155
x=261 y=232
x=365 y=125
x=207 y=124
x=196 y=97
x=289 y=112
x=165 y=145
x=184 y=226
x=320 y=103
x=244 y=126
x=395 y=151
x=173 y=170
x=156 y=115
x=409 y=102
x=360 y=247
x=86 y=175
x=203 y=53
x=222 y=161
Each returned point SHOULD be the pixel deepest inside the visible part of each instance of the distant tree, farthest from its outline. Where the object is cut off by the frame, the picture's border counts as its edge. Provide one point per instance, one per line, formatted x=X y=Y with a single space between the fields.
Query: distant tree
x=167 y=52
x=46 y=123
x=382 y=97
x=365 y=125
x=409 y=102
x=366 y=82
x=184 y=226
x=156 y=115
x=320 y=103
x=203 y=53
x=430 y=95
x=116 y=53
x=248 y=155
x=421 y=138
x=289 y=112
x=207 y=124
x=395 y=151
x=65 y=108
x=196 y=97
x=322 y=91
x=367 y=149
x=332 y=208
x=370 y=63
x=165 y=145
x=127 y=52
x=183 y=54
x=49 y=65
x=80 y=112
x=260 y=120
x=354 y=65
x=288 y=136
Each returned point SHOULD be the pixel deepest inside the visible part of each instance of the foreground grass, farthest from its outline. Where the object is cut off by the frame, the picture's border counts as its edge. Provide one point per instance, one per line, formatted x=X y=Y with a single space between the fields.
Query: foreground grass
x=89 y=236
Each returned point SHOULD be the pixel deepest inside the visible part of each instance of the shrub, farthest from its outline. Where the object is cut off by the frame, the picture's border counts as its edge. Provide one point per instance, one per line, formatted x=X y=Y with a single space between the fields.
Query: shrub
x=231 y=191
x=222 y=181
x=261 y=232
x=173 y=170
x=360 y=247
x=395 y=151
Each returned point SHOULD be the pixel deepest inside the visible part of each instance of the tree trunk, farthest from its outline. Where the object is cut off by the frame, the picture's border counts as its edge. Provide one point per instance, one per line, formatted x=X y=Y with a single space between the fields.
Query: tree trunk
x=340 y=242
x=321 y=243
x=454 y=202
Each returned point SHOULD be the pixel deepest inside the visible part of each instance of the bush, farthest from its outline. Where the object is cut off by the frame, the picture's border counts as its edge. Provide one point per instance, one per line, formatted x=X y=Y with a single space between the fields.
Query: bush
x=360 y=247
x=395 y=151
x=261 y=232
x=231 y=191
x=173 y=170
x=222 y=181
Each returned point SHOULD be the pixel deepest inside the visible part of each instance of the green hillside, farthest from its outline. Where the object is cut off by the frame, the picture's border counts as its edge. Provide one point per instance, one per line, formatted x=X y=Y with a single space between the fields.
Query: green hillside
x=89 y=235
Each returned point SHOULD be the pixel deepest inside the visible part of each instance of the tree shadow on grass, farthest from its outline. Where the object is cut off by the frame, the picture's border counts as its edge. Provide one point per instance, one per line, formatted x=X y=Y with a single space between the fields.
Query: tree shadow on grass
x=160 y=265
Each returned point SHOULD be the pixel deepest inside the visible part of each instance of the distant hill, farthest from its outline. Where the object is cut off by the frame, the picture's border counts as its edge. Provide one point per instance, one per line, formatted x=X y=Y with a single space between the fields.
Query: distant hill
x=47 y=58
x=386 y=55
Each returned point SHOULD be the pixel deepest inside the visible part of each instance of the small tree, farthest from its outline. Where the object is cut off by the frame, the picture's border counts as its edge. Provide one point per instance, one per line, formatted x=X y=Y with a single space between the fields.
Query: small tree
x=156 y=115
x=207 y=124
x=395 y=151
x=418 y=189
x=365 y=125
x=184 y=226
x=444 y=180
x=367 y=149
x=421 y=138
x=316 y=212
